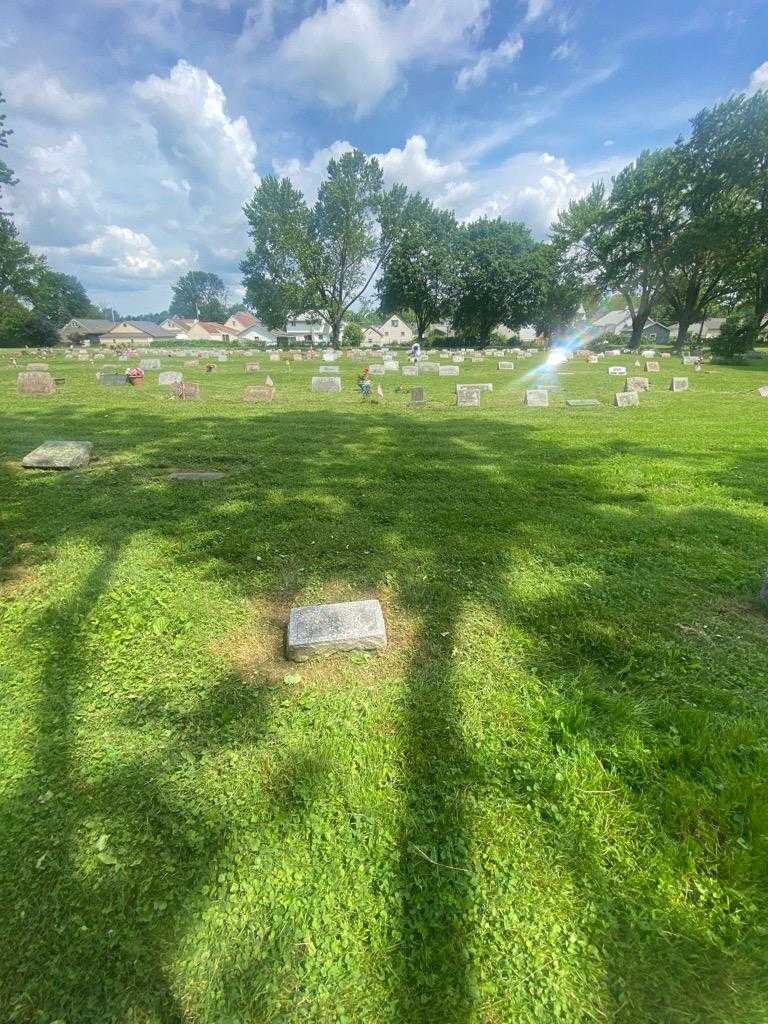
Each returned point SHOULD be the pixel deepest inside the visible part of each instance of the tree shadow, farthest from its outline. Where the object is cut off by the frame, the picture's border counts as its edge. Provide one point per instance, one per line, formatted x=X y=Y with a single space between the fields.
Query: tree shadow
x=442 y=514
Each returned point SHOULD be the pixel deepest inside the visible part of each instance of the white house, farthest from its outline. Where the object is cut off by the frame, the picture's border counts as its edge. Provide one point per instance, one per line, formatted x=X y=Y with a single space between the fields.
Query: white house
x=177 y=323
x=310 y=328
x=258 y=331
x=205 y=330
x=372 y=336
x=84 y=331
x=135 y=333
x=396 y=331
x=619 y=321
x=240 y=322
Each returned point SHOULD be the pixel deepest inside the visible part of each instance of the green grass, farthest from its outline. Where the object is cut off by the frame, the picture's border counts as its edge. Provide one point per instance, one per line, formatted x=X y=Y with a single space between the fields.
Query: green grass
x=546 y=801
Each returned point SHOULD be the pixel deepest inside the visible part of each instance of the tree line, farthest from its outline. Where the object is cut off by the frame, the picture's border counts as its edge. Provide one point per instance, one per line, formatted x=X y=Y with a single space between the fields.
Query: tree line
x=680 y=234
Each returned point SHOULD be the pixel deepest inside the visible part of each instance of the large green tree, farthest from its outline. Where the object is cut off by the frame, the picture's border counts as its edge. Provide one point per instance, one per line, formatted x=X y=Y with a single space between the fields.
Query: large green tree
x=6 y=174
x=59 y=297
x=20 y=268
x=199 y=294
x=499 y=278
x=419 y=272
x=562 y=293
x=729 y=144
x=615 y=239
x=322 y=257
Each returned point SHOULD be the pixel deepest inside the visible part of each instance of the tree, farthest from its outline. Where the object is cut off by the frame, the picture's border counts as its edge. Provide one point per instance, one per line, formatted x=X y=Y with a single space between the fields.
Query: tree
x=616 y=241
x=323 y=258
x=419 y=271
x=59 y=297
x=736 y=337
x=561 y=294
x=199 y=295
x=729 y=143
x=499 y=278
x=6 y=174
x=20 y=326
x=20 y=268
x=353 y=334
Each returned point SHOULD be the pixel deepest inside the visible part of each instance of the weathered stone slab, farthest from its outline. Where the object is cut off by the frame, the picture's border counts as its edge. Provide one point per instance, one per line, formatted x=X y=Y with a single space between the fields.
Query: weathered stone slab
x=652 y=367
x=417 y=396
x=192 y=363
x=503 y=365
x=427 y=367
x=274 y=357
x=467 y=396
x=763 y=391
x=448 y=371
x=537 y=397
x=263 y=394
x=111 y=380
x=458 y=359
x=170 y=378
x=617 y=371
x=582 y=403
x=187 y=391
x=679 y=384
x=690 y=360
x=35 y=384
x=410 y=371
x=623 y=399
x=196 y=474
x=323 y=629
x=391 y=366
x=666 y=355
x=40 y=367
x=638 y=384
x=326 y=384
x=59 y=455
x=377 y=369
x=149 y=364
x=329 y=369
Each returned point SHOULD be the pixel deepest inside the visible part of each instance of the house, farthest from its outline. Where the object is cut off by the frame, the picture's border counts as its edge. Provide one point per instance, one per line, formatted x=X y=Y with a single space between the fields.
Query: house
x=84 y=331
x=205 y=330
x=177 y=323
x=240 y=322
x=396 y=331
x=704 y=329
x=308 y=328
x=619 y=322
x=257 y=331
x=372 y=336
x=135 y=333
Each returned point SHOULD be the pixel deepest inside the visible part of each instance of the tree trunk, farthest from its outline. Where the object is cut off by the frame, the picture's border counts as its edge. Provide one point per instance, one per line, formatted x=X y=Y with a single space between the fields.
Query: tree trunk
x=682 y=331
x=336 y=333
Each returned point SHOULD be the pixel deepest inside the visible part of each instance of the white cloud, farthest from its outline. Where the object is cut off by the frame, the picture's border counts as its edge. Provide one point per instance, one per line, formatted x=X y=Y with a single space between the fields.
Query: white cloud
x=307 y=176
x=564 y=51
x=537 y=8
x=351 y=53
x=258 y=24
x=36 y=92
x=211 y=151
x=758 y=82
x=128 y=253
x=475 y=74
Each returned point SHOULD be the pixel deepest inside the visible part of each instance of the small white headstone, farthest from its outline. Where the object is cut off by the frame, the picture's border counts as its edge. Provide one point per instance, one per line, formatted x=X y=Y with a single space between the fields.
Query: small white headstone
x=538 y=397
x=652 y=367
x=617 y=371
x=170 y=377
x=149 y=364
x=467 y=396
x=326 y=384
x=505 y=365
x=622 y=399
x=448 y=371
x=679 y=384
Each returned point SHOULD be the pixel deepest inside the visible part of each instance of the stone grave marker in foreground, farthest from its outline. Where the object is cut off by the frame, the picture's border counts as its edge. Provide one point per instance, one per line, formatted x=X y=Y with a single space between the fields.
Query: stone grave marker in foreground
x=170 y=378
x=537 y=397
x=582 y=403
x=59 y=455
x=679 y=384
x=638 y=384
x=111 y=380
x=467 y=396
x=259 y=393
x=35 y=384
x=324 y=629
x=326 y=384
x=417 y=396
x=42 y=367
x=623 y=399
x=149 y=364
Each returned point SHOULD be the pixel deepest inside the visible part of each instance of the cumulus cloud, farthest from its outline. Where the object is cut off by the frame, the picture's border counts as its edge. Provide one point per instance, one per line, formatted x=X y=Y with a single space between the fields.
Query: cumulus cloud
x=351 y=53
x=758 y=81
x=475 y=74
x=38 y=93
x=129 y=253
x=307 y=176
x=211 y=151
x=530 y=186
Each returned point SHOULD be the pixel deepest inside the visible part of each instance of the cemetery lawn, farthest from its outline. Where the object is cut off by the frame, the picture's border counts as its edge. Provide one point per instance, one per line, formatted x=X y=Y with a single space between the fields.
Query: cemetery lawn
x=546 y=801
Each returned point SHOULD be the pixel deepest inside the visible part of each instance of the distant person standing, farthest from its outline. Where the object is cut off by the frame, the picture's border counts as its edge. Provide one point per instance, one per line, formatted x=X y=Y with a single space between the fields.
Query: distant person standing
x=415 y=352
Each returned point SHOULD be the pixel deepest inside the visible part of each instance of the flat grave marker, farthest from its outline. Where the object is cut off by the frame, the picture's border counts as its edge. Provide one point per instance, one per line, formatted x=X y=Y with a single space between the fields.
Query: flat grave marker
x=39 y=366
x=329 y=369
x=505 y=365
x=582 y=403
x=149 y=364
x=59 y=455
x=170 y=378
x=410 y=371
x=111 y=380
x=537 y=397
x=323 y=629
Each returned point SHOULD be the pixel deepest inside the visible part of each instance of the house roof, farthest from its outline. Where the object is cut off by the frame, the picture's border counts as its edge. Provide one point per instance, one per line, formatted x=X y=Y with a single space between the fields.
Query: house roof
x=146 y=327
x=612 y=319
x=89 y=326
x=186 y=321
x=212 y=327
x=244 y=319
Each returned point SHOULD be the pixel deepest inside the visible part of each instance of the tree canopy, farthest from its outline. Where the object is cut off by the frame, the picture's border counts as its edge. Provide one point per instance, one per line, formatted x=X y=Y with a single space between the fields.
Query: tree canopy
x=200 y=295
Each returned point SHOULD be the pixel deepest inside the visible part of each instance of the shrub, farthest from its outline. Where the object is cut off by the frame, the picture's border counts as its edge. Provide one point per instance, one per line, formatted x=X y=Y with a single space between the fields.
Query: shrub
x=736 y=337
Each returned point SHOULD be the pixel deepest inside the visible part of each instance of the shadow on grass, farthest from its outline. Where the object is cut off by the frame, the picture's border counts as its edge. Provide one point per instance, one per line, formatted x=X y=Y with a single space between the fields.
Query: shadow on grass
x=443 y=513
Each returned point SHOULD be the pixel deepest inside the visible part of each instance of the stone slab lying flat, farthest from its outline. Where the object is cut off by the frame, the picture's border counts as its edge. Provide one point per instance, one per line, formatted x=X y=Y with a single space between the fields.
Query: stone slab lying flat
x=196 y=474
x=323 y=629
x=582 y=403
x=59 y=455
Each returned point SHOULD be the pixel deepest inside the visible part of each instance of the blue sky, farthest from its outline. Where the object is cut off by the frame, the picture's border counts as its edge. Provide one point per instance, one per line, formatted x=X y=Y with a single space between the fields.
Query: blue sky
x=141 y=126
